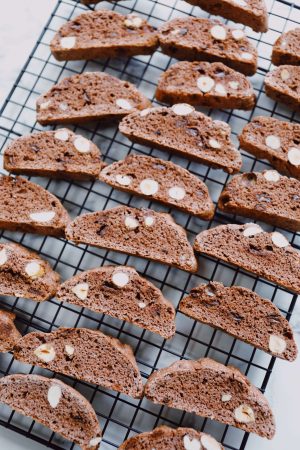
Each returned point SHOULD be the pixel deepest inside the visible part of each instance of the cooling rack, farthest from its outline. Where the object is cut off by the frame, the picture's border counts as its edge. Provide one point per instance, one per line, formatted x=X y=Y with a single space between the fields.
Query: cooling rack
x=121 y=416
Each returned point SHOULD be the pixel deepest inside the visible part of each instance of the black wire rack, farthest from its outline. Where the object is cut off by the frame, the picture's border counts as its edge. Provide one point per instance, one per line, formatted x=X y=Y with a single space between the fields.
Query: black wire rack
x=121 y=416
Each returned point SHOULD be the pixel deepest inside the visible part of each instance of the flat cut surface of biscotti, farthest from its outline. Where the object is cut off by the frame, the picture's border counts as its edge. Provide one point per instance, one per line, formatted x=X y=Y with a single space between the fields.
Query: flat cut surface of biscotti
x=56 y=154
x=24 y=274
x=208 y=84
x=9 y=335
x=73 y=351
x=53 y=404
x=26 y=206
x=210 y=389
x=166 y=438
x=160 y=180
x=104 y=33
x=274 y=140
x=239 y=311
x=139 y=232
x=89 y=96
x=286 y=49
x=198 y=39
x=268 y=255
x=266 y=196
x=183 y=130
x=283 y=85
x=121 y=292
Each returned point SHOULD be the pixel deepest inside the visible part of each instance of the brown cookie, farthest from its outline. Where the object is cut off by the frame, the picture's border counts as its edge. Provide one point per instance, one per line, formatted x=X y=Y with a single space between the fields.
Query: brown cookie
x=283 y=86
x=9 y=335
x=286 y=49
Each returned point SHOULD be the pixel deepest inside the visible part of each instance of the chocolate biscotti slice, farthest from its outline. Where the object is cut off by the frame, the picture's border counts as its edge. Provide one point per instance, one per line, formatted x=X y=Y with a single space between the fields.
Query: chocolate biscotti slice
x=266 y=196
x=140 y=232
x=210 y=389
x=9 y=334
x=56 y=154
x=286 y=49
x=283 y=86
x=104 y=34
x=26 y=206
x=160 y=180
x=268 y=255
x=71 y=351
x=89 y=96
x=166 y=438
x=199 y=39
x=239 y=311
x=121 y=292
x=208 y=84
x=24 y=274
x=274 y=140
x=53 y=404
x=184 y=131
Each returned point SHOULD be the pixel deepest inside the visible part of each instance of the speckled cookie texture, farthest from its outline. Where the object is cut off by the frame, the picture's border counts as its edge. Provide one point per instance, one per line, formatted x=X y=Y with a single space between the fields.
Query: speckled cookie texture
x=283 y=85
x=160 y=180
x=53 y=404
x=207 y=84
x=9 y=334
x=286 y=49
x=104 y=34
x=198 y=39
x=238 y=311
x=210 y=389
x=89 y=96
x=184 y=131
x=274 y=140
x=268 y=255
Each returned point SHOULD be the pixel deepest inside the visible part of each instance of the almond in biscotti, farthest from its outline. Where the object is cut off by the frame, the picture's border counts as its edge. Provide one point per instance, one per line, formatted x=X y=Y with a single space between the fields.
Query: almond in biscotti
x=208 y=84
x=9 y=334
x=198 y=39
x=283 y=85
x=286 y=49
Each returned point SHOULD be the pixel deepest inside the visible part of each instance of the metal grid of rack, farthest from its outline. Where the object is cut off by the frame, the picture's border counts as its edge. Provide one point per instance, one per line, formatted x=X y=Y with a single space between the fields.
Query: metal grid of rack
x=119 y=415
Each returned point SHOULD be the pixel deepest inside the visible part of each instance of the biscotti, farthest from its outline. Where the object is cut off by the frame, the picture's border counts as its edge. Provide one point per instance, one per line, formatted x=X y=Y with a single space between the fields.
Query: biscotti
x=184 y=131
x=89 y=96
x=73 y=351
x=198 y=39
x=208 y=84
x=165 y=438
x=9 y=335
x=56 y=154
x=121 y=292
x=252 y=13
x=139 y=232
x=286 y=49
x=266 y=196
x=162 y=181
x=274 y=140
x=53 y=404
x=239 y=311
x=104 y=34
x=210 y=389
x=268 y=255
x=283 y=86
x=24 y=274
x=26 y=206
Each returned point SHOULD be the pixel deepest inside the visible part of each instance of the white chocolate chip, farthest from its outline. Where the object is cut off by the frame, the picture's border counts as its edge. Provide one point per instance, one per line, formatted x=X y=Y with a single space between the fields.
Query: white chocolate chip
x=95 y=441
x=279 y=240
x=54 y=395
x=209 y=442
x=277 y=344
x=34 y=269
x=131 y=223
x=82 y=144
x=240 y=2
x=3 y=257
x=182 y=109
x=246 y=56
x=284 y=74
x=226 y=397
x=244 y=414
x=271 y=175
x=219 y=89
x=213 y=143
x=123 y=103
x=218 y=32
x=251 y=229
x=273 y=142
x=205 y=84
x=142 y=305
x=234 y=85
x=45 y=352
x=191 y=443
x=45 y=105
x=43 y=216
x=123 y=180
x=146 y=111
x=177 y=193
x=149 y=186
x=61 y=135
x=120 y=279
x=149 y=221
x=63 y=106
x=69 y=349
x=133 y=21
x=81 y=290
x=294 y=156
x=68 y=42
x=238 y=34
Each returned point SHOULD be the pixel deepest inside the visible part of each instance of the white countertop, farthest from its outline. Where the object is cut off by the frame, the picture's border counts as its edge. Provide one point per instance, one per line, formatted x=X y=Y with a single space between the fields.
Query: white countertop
x=21 y=22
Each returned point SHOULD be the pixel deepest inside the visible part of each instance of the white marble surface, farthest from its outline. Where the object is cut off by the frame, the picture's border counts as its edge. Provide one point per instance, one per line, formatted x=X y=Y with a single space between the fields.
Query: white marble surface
x=21 y=22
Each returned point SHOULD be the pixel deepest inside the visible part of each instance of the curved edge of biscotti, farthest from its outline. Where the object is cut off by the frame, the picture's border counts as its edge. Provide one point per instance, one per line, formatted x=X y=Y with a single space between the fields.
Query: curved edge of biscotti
x=9 y=334
x=281 y=55
x=57 y=391
x=276 y=86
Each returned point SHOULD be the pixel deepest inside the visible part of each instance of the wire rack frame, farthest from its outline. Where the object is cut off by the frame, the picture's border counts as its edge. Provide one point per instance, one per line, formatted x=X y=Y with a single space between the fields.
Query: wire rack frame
x=119 y=415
